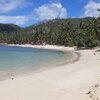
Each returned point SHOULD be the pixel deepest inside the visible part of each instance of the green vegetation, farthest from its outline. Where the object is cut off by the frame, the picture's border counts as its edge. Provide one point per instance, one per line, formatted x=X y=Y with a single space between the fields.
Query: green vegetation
x=80 y=32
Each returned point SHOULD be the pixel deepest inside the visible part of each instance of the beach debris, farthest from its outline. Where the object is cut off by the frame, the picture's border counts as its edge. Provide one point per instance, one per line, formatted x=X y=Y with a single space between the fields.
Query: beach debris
x=12 y=78
x=94 y=54
x=97 y=51
x=93 y=92
x=97 y=85
x=91 y=96
x=88 y=92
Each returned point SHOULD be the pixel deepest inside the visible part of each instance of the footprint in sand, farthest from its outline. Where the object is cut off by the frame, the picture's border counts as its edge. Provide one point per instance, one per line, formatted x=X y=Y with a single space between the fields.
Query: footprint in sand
x=94 y=92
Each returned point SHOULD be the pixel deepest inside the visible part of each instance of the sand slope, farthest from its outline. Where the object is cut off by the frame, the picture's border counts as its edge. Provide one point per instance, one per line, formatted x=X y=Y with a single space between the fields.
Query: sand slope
x=69 y=82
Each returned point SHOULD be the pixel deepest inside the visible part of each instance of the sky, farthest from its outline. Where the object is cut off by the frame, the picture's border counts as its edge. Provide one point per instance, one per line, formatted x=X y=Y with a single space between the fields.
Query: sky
x=28 y=12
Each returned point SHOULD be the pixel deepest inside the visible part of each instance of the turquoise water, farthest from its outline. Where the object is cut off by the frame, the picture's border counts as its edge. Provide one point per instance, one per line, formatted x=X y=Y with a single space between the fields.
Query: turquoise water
x=18 y=59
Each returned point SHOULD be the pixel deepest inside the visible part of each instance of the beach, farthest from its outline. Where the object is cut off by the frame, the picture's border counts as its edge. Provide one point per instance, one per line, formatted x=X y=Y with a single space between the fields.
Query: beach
x=75 y=81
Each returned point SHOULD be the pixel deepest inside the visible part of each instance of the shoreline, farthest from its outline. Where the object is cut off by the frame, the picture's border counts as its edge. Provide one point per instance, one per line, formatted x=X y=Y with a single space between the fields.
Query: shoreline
x=49 y=47
x=74 y=59
x=76 y=81
x=53 y=47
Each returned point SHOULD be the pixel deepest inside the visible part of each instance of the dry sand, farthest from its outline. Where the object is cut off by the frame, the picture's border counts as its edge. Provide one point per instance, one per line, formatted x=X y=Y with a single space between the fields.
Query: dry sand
x=76 y=81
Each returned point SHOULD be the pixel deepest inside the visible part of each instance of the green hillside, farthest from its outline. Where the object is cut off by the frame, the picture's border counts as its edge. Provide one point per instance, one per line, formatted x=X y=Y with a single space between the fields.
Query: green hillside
x=9 y=28
x=80 y=32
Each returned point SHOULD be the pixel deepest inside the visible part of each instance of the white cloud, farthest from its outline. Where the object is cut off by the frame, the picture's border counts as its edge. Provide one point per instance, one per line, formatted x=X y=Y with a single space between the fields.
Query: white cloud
x=10 y=5
x=91 y=9
x=18 y=20
x=44 y=12
x=50 y=11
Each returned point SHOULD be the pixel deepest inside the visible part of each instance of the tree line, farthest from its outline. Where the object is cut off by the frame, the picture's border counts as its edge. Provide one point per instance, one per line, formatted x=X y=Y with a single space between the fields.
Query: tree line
x=80 y=32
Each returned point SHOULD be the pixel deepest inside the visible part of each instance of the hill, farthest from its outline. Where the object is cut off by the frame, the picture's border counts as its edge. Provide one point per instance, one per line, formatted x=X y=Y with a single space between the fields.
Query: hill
x=9 y=28
x=80 y=32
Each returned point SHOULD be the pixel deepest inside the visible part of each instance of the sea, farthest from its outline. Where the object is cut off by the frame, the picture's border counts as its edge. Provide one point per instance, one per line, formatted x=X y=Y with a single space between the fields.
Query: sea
x=22 y=60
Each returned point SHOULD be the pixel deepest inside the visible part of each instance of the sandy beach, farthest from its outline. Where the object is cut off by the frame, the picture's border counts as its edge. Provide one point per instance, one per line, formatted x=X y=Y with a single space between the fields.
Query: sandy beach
x=76 y=81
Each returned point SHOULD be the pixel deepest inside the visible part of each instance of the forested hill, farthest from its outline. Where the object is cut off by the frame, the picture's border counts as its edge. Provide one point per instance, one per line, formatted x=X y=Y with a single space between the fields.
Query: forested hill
x=9 y=28
x=81 y=32
x=75 y=22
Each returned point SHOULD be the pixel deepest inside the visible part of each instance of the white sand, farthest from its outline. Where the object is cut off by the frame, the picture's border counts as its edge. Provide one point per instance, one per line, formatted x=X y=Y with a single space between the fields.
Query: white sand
x=68 y=82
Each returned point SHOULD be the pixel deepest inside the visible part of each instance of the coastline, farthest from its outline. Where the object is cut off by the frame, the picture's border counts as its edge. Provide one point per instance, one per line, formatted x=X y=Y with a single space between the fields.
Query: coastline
x=50 y=47
x=68 y=82
x=75 y=57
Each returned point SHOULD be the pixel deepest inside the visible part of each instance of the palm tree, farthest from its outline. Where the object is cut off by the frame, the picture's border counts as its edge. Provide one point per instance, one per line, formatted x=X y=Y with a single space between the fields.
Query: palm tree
x=98 y=11
x=92 y=28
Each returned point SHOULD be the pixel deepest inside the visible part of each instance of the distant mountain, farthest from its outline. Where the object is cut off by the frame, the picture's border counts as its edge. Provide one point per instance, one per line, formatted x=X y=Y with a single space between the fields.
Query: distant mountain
x=9 y=28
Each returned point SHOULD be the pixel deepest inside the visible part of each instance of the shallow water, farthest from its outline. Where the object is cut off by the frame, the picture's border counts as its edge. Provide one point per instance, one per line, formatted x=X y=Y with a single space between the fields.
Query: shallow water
x=18 y=59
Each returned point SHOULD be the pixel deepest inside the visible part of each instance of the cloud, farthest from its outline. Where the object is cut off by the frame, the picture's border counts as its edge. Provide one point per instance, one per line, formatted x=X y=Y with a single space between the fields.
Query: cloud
x=44 y=12
x=49 y=11
x=10 y=5
x=90 y=10
x=18 y=20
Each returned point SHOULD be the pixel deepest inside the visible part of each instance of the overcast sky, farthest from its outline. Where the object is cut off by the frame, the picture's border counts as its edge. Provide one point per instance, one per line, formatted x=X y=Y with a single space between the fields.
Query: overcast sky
x=27 y=12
